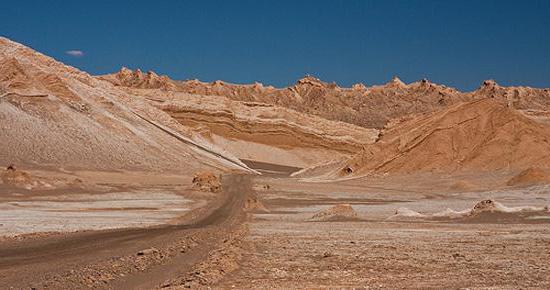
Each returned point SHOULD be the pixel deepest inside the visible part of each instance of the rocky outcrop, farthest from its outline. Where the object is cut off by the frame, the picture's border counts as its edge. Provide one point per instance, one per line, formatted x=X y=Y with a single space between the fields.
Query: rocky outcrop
x=262 y=132
x=137 y=79
x=370 y=107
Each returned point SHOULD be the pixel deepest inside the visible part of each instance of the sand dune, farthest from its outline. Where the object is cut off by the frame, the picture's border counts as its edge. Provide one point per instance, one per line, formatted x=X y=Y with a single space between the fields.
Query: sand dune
x=481 y=135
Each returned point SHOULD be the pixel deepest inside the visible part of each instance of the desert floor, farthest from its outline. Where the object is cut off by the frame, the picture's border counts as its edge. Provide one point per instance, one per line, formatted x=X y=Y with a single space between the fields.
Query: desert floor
x=287 y=250
x=140 y=231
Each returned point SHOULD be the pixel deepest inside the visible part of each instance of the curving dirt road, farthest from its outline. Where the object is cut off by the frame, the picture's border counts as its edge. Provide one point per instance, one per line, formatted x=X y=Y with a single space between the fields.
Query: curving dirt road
x=126 y=258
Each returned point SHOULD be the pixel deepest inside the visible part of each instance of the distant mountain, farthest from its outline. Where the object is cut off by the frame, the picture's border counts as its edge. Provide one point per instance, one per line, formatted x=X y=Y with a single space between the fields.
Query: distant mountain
x=370 y=107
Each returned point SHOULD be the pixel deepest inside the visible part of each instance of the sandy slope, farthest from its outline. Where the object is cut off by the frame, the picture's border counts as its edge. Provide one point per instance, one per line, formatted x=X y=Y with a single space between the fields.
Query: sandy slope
x=53 y=114
x=260 y=131
x=482 y=135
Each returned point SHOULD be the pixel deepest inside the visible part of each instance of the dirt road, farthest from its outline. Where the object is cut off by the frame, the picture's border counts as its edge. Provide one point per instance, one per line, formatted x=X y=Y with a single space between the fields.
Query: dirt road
x=126 y=258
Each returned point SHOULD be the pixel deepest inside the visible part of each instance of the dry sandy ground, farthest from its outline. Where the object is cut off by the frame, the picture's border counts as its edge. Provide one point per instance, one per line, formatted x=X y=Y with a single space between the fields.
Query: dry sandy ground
x=106 y=200
x=214 y=244
x=95 y=212
x=287 y=250
x=133 y=258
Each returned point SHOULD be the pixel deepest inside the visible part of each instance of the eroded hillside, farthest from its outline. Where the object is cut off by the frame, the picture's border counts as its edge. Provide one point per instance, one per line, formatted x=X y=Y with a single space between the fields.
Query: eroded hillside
x=53 y=114
x=370 y=107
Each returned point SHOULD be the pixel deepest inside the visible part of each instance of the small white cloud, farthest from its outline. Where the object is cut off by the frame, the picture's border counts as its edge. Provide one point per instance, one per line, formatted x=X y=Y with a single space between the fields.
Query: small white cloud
x=75 y=53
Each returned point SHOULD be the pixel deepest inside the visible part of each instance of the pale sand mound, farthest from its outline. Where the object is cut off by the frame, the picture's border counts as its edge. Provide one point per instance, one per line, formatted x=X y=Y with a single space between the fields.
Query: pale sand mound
x=490 y=211
x=450 y=214
x=207 y=181
x=405 y=213
x=530 y=176
x=474 y=136
x=340 y=212
x=490 y=205
x=485 y=211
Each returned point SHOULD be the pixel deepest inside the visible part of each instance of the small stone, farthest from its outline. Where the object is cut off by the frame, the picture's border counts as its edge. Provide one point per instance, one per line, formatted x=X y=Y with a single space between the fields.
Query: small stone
x=458 y=255
x=148 y=251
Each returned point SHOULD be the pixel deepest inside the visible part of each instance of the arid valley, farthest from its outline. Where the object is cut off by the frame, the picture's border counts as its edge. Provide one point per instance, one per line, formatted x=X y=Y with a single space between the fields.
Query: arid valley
x=134 y=180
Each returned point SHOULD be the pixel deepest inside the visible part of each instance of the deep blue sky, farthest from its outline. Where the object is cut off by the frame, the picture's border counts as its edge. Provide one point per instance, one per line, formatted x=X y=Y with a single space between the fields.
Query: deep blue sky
x=458 y=43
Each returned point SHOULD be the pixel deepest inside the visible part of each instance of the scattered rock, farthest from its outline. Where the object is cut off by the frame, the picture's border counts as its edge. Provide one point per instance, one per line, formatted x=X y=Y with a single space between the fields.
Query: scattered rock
x=487 y=205
x=340 y=212
x=149 y=251
x=15 y=177
x=327 y=254
x=359 y=87
x=458 y=255
x=347 y=170
x=207 y=181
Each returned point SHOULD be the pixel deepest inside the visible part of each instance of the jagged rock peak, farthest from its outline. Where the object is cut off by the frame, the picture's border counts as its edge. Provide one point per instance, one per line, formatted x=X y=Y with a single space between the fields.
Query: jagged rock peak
x=358 y=87
x=426 y=83
x=489 y=84
x=137 y=79
x=309 y=80
x=152 y=74
x=258 y=85
x=124 y=70
x=396 y=82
